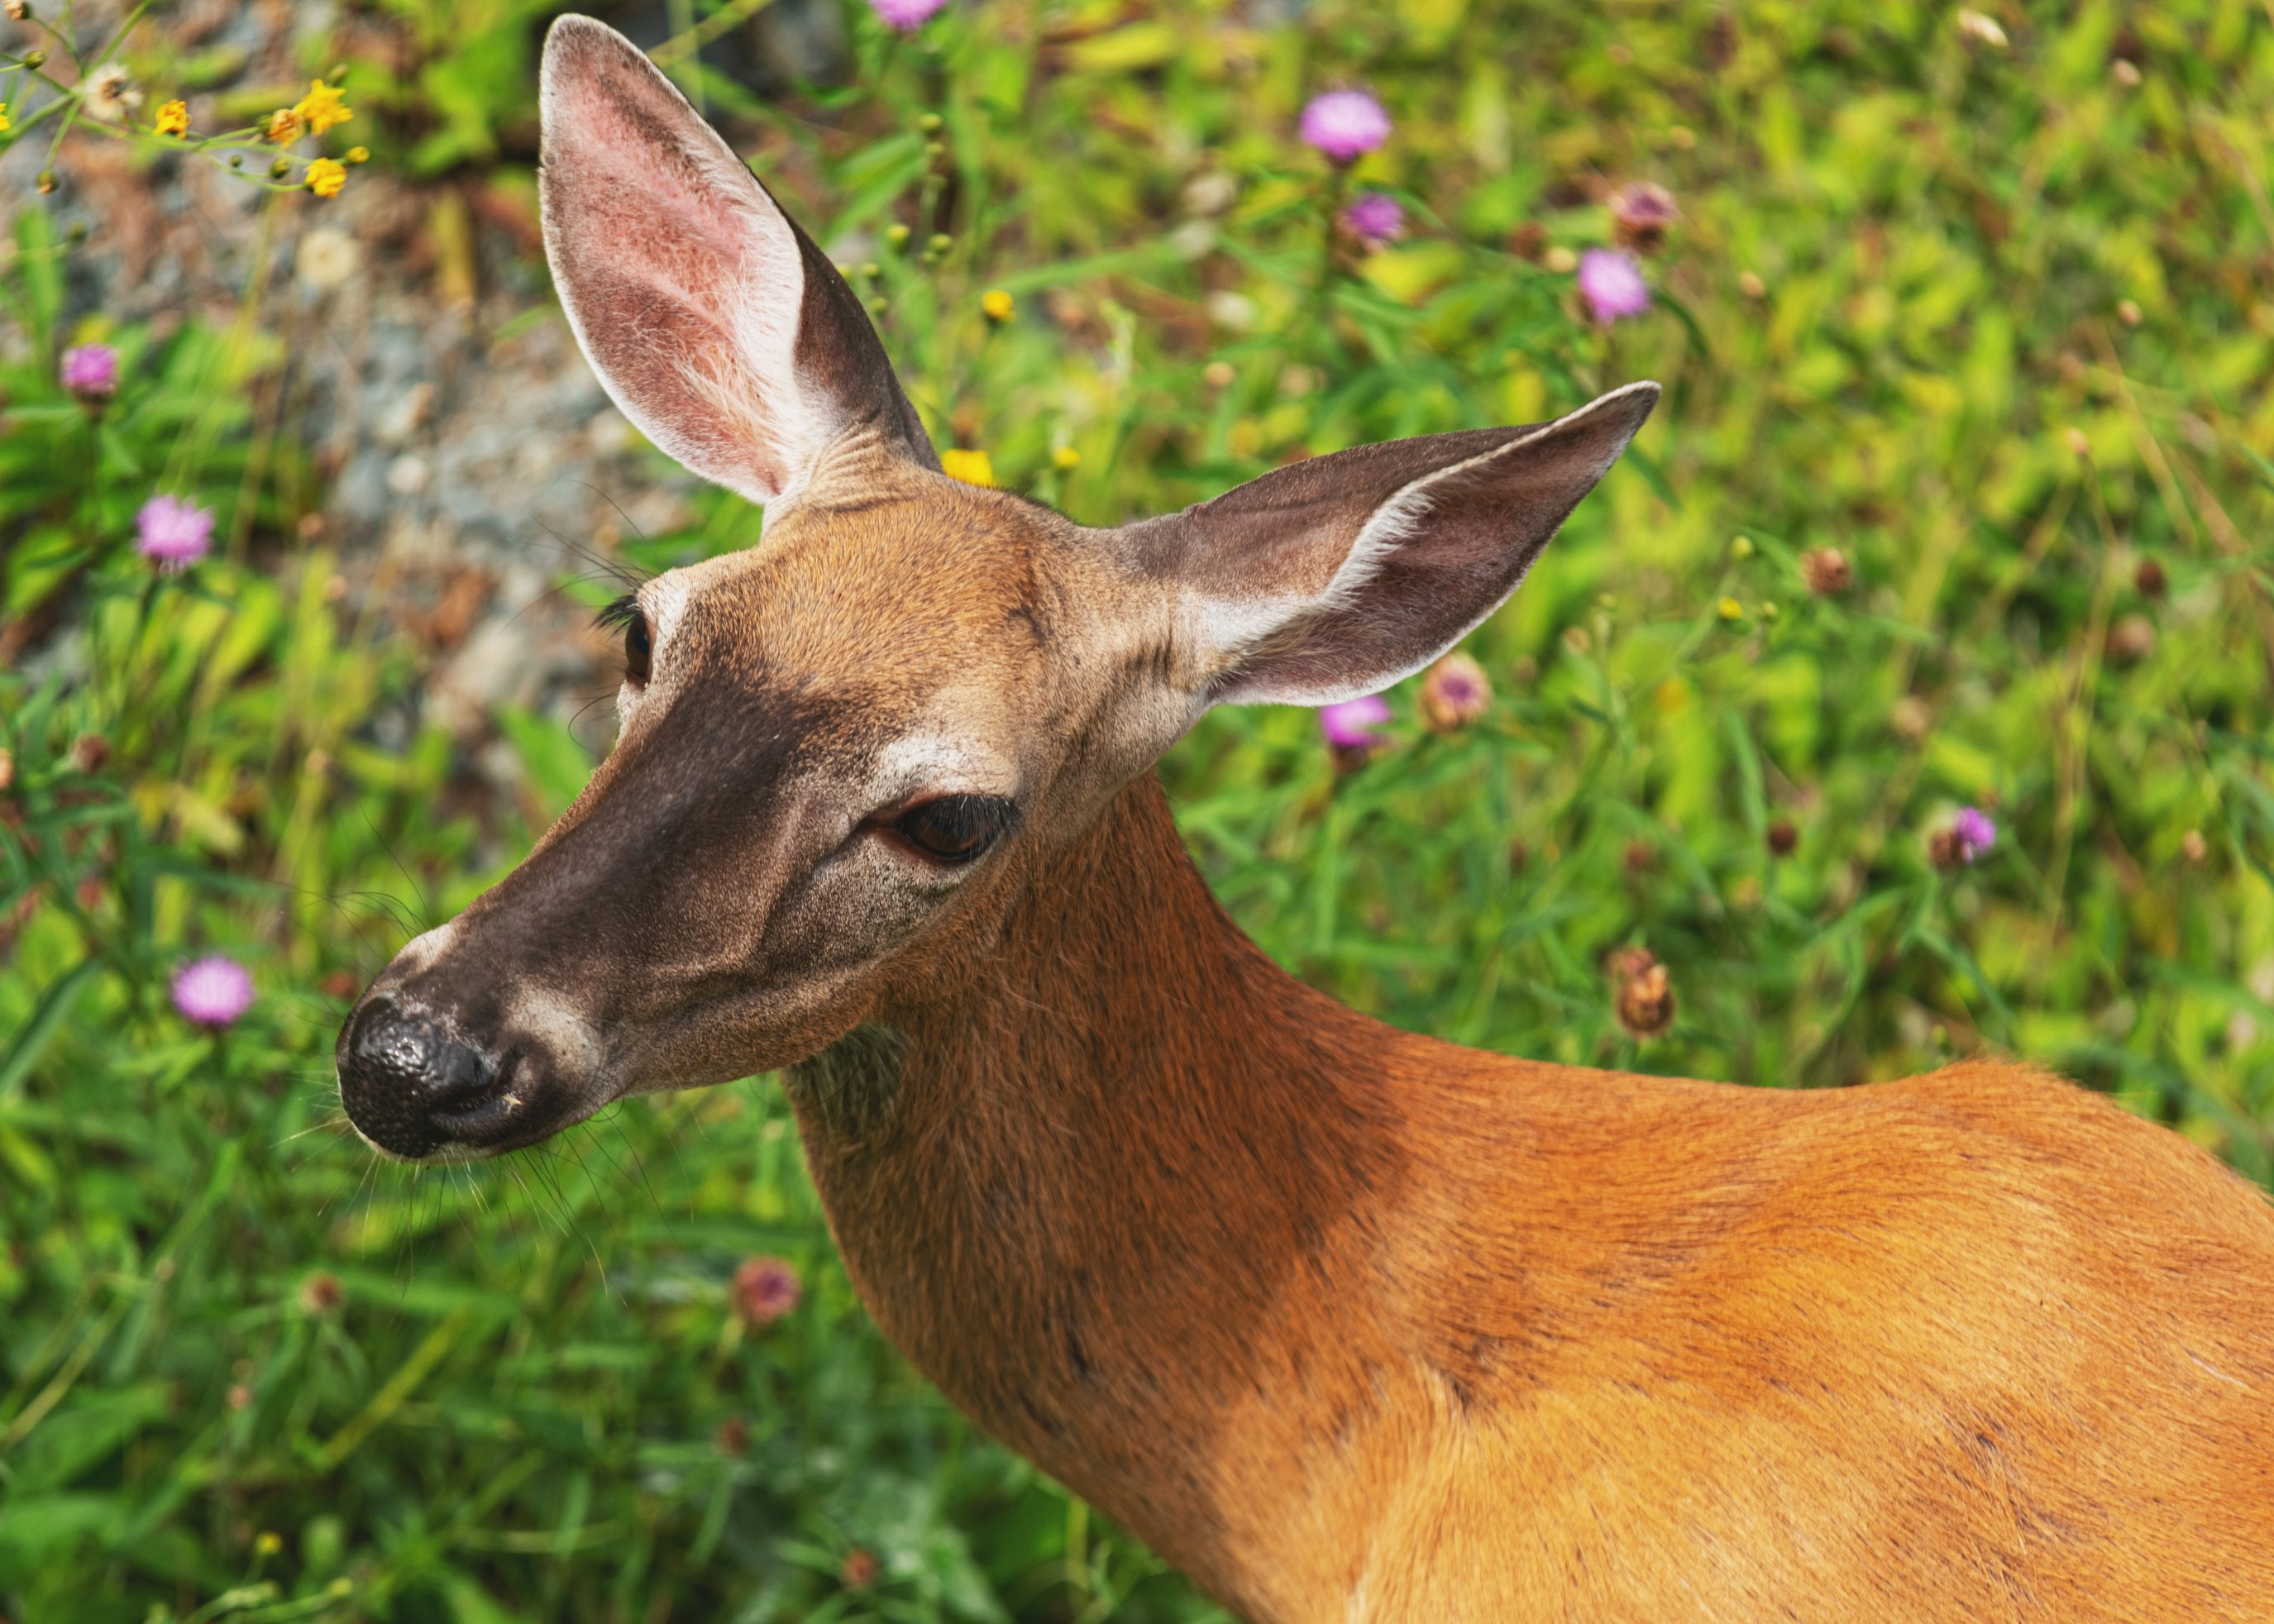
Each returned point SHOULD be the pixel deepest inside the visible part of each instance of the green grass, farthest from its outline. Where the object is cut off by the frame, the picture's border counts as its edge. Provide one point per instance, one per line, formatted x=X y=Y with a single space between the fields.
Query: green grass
x=1990 y=321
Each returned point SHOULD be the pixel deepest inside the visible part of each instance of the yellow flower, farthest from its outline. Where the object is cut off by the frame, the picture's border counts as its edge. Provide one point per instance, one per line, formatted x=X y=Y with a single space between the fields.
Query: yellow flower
x=1065 y=456
x=971 y=467
x=997 y=303
x=326 y=177
x=359 y=155
x=3 y=118
x=283 y=125
x=322 y=108
x=1731 y=609
x=173 y=118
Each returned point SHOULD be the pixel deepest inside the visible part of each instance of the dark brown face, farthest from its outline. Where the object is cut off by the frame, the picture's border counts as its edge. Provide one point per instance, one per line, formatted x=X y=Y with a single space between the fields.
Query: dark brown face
x=828 y=767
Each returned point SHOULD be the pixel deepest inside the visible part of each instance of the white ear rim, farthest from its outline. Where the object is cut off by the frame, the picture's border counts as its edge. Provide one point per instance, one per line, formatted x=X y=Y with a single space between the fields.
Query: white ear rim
x=1228 y=629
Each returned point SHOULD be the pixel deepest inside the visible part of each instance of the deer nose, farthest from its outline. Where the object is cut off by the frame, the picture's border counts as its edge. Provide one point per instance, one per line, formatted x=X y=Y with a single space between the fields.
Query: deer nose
x=404 y=1077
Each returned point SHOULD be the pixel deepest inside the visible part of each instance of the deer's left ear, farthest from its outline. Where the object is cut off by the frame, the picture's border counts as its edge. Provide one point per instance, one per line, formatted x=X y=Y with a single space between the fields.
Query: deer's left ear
x=1338 y=575
x=718 y=326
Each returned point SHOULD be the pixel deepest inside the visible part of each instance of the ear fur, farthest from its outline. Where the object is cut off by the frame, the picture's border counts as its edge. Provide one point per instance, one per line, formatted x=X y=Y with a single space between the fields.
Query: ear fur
x=1338 y=575
x=721 y=330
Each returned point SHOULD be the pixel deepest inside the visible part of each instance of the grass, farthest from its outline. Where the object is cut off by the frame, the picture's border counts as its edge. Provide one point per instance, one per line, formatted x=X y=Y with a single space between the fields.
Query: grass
x=1987 y=319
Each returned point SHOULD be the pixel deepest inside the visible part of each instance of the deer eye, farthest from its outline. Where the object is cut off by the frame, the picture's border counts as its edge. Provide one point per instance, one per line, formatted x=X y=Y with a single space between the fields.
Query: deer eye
x=638 y=649
x=955 y=829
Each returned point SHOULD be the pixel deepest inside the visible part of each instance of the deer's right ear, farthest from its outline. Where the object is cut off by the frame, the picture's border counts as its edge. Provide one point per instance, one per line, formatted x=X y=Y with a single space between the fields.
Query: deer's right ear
x=714 y=323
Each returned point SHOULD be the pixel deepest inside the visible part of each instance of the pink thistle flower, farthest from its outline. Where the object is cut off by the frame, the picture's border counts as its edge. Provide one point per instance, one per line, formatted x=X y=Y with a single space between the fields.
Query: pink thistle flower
x=1612 y=284
x=765 y=1290
x=908 y=16
x=213 y=992
x=1976 y=832
x=1345 y=125
x=173 y=534
x=1375 y=218
x=1454 y=693
x=90 y=372
x=1350 y=728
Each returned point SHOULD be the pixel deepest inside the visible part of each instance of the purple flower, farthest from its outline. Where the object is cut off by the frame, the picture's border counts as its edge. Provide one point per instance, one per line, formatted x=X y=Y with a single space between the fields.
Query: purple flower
x=1351 y=725
x=213 y=992
x=1612 y=284
x=172 y=534
x=1375 y=217
x=905 y=15
x=1345 y=125
x=1975 y=832
x=91 y=372
x=765 y=1290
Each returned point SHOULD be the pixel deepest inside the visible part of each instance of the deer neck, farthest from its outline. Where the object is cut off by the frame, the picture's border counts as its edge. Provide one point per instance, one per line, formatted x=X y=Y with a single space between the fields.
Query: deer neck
x=1122 y=1185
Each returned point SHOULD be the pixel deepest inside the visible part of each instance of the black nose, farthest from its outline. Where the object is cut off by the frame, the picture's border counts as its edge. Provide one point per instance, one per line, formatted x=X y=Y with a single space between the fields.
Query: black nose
x=403 y=1077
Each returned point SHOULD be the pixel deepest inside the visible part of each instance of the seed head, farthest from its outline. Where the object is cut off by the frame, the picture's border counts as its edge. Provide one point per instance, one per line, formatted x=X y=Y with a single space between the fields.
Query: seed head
x=1454 y=693
x=766 y=1289
x=1345 y=125
x=1642 y=994
x=110 y=95
x=1641 y=214
x=1827 y=571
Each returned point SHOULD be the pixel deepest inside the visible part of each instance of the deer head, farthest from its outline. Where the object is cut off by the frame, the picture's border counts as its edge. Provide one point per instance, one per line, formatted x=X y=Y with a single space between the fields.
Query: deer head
x=844 y=751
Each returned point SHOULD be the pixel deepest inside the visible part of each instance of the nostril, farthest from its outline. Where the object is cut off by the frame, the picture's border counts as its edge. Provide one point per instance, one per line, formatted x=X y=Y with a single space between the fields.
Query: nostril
x=401 y=1070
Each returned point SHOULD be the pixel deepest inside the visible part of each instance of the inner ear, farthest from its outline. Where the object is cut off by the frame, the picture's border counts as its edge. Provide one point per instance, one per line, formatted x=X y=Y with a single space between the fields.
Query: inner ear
x=716 y=325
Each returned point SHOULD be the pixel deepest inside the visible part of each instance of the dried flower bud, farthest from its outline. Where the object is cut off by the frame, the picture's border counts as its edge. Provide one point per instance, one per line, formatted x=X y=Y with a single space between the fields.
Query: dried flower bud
x=733 y=1436
x=1641 y=992
x=1782 y=837
x=2150 y=579
x=1751 y=286
x=7 y=771
x=2127 y=72
x=2132 y=639
x=1528 y=241
x=1827 y=571
x=765 y=1290
x=321 y=1294
x=859 y=1569
x=16 y=10
x=1454 y=693
x=89 y=753
x=1641 y=214
x=2193 y=846
x=2128 y=312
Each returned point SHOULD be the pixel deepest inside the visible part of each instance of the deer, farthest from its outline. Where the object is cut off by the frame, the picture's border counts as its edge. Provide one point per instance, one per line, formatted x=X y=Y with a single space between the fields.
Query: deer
x=1343 y=1321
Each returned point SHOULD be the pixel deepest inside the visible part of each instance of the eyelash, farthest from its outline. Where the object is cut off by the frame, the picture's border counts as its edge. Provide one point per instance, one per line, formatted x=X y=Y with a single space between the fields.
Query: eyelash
x=625 y=613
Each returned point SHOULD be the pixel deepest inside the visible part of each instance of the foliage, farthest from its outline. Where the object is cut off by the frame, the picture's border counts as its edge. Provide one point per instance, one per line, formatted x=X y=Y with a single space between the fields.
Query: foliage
x=1986 y=319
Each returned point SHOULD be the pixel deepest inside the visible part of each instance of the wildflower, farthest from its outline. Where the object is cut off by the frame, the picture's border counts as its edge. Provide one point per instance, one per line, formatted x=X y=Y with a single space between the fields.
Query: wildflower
x=733 y=1436
x=1730 y=609
x=16 y=10
x=110 y=95
x=859 y=1569
x=213 y=992
x=1345 y=125
x=1066 y=457
x=1350 y=727
x=173 y=118
x=1612 y=284
x=906 y=16
x=1982 y=30
x=765 y=1290
x=2150 y=579
x=321 y=1294
x=89 y=753
x=1640 y=215
x=1961 y=844
x=173 y=534
x=1642 y=994
x=1827 y=571
x=359 y=155
x=326 y=177
x=283 y=127
x=1782 y=837
x=4 y=119
x=1373 y=218
x=322 y=108
x=1454 y=693
x=997 y=304
x=90 y=372
x=971 y=467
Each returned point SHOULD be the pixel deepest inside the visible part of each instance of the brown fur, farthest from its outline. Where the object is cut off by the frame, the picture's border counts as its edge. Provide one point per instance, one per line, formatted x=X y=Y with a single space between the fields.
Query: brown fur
x=1348 y=1322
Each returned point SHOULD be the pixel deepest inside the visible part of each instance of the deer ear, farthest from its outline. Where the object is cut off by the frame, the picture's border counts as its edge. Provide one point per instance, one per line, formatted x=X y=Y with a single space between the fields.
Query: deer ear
x=714 y=323
x=1338 y=575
